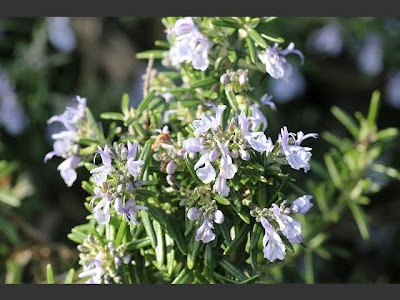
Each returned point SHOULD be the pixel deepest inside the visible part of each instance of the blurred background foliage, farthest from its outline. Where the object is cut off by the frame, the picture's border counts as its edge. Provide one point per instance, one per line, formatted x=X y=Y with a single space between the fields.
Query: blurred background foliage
x=45 y=62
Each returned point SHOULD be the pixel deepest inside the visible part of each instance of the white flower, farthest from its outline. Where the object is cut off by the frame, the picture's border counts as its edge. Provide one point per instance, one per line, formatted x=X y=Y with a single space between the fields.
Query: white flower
x=289 y=226
x=298 y=157
x=131 y=211
x=190 y=45
x=133 y=166
x=102 y=211
x=221 y=187
x=273 y=245
x=100 y=173
x=259 y=142
x=258 y=116
x=207 y=173
x=94 y=270
x=67 y=169
x=204 y=232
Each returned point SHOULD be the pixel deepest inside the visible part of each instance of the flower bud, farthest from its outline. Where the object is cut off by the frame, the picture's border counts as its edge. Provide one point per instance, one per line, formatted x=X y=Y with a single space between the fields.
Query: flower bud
x=120 y=188
x=243 y=79
x=126 y=259
x=171 y=167
x=234 y=153
x=124 y=154
x=129 y=186
x=301 y=205
x=213 y=156
x=218 y=217
x=244 y=155
x=137 y=184
x=117 y=261
x=193 y=214
x=118 y=204
x=224 y=79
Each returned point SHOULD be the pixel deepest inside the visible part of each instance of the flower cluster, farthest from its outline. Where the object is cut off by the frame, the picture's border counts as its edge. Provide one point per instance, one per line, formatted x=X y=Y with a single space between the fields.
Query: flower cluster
x=189 y=45
x=101 y=263
x=278 y=225
x=275 y=62
x=114 y=184
x=73 y=119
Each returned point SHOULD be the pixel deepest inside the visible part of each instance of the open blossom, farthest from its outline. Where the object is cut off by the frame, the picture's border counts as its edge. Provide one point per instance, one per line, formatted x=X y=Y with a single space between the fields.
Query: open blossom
x=289 y=226
x=134 y=166
x=275 y=62
x=257 y=140
x=65 y=144
x=204 y=233
x=100 y=173
x=297 y=156
x=266 y=100
x=272 y=242
x=189 y=45
x=131 y=211
x=95 y=271
x=67 y=169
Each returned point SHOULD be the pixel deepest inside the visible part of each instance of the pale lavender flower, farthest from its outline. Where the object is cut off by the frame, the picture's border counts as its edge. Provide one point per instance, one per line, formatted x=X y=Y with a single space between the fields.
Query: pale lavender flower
x=202 y=125
x=102 y=211
x=190 y=45
x=370 y=57
x=94 y=270
x=289 y=226
x=259 y=142
x=131 y=211
x=12 y=115
x=275 y=62
x=272 y=242
x=302 y=205
x=297 y=156
x=328 y=39
x=67 y=169
x=61 y=34
x=192 y=145
x=207 y=173
x=221 y=187
x=204 y=233
x=392 y=89
x=100 y=173
x=71 y=115
x=134 y=166
x=258 y=117
x=219 y=110
x=266 y=100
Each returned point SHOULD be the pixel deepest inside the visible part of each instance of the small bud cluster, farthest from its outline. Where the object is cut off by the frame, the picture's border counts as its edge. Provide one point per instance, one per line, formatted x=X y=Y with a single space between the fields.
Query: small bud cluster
x=237 y=80
x=102 y=263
